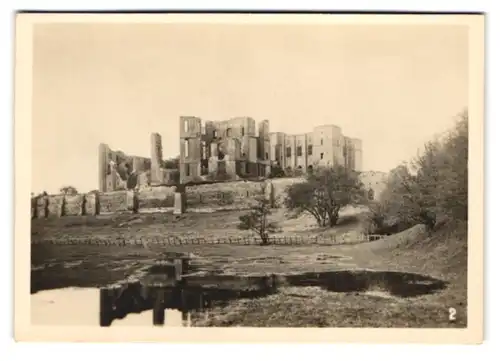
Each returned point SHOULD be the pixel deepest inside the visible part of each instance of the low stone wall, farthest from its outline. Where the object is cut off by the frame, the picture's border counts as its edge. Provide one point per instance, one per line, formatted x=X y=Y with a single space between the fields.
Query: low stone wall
x=40 y=207
x=202 y=197
x=48 y=206
x=74 y=205
x=112 y=202
x=236 y=195
x=91 y=204
x=56 y=204
x=156 y=197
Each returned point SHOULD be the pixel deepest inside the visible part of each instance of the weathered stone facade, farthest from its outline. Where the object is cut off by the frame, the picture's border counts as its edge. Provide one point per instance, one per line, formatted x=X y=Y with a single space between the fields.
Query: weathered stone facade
x=119 y=171
x=227 y=149
x=325 y=145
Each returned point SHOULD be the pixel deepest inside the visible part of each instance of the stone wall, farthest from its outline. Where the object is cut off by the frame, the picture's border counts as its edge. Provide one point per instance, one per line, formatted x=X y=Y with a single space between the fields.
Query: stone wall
x=49 y=206
x=55 y=204
x=73 y=205
x=237 y=195
x=91 y=203
x=112 y=202
x=156 y=197
x=203 y=197
x=40 y=207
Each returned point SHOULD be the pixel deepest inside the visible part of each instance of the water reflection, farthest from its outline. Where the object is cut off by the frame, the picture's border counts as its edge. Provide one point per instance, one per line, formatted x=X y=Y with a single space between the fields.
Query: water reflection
x=132 y=304
x=80 y=307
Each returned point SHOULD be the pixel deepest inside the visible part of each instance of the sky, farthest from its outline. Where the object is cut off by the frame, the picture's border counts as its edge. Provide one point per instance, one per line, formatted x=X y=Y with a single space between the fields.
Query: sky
x=392 y=86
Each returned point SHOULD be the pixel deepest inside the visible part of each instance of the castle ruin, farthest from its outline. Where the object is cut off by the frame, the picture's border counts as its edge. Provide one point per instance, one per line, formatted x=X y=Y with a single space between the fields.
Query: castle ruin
x=119 y=171
x=229 y=149
x=236 y=148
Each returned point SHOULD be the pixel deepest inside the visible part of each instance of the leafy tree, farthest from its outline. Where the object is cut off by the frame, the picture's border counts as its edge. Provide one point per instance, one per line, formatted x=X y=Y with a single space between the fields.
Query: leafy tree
x=324 y=193
x=452 y=196
x=68 y=190
x=391 y=212
x=258 y=218
x=434 y=184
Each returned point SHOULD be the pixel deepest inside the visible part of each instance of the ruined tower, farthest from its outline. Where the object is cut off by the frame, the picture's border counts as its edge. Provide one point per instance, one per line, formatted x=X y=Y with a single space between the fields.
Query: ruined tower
x=358 y=154
x=264 y=149
x=190 y=148
x=103 y=166
x=156 y=159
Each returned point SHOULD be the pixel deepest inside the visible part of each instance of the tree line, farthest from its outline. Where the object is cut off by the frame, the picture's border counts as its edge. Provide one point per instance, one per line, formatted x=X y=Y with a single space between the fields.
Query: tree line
x=432 y=187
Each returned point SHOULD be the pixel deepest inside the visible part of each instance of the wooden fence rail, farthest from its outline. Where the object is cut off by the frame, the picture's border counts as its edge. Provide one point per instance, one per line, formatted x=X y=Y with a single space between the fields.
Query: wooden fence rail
x=180 y=241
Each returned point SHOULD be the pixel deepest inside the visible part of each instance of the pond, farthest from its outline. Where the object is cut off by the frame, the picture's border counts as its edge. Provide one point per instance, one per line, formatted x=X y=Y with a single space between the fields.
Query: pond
x=196 y=295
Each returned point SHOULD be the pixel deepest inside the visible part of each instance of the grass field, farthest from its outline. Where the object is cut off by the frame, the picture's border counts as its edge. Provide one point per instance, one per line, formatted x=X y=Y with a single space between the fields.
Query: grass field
x=442 y=256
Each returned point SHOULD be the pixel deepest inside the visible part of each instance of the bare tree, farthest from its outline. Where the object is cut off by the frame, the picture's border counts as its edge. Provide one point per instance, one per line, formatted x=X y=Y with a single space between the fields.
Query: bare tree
x=258 y=218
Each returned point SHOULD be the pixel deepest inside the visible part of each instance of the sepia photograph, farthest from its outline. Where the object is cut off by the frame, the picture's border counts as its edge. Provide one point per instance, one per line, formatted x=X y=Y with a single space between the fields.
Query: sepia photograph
x=261 y=172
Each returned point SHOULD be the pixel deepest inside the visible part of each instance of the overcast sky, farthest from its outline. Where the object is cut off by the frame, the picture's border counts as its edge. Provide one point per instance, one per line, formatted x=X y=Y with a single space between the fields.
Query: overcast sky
x=391 y=86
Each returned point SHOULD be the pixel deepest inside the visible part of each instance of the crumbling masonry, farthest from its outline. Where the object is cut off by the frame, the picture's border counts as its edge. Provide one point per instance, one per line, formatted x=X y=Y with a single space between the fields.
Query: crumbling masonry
x=228 y=149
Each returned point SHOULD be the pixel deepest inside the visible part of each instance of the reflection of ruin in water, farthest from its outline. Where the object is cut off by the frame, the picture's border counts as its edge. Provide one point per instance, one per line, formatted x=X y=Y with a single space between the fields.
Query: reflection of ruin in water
x=80 y=307
x=168 y=285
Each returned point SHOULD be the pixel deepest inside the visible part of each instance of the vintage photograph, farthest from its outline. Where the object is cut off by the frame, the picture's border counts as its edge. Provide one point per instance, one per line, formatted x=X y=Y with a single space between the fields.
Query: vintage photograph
x=286 y=174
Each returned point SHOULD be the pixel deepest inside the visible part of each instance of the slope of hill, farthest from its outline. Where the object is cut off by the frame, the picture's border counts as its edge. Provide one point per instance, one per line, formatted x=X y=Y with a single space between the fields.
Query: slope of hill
x=442 y=253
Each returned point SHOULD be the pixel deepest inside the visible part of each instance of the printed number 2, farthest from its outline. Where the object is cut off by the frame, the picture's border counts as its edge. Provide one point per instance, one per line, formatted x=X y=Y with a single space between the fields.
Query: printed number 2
x=452 y=314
